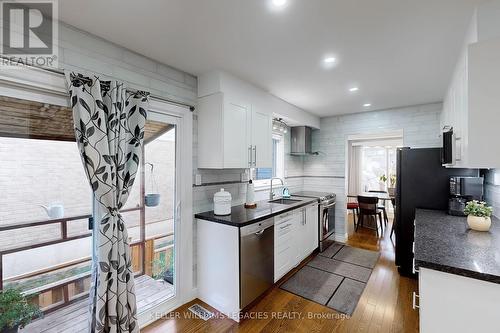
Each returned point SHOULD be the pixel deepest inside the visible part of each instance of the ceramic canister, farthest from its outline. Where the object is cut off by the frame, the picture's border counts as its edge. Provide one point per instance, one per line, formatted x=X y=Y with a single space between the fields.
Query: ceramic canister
x=222 y=203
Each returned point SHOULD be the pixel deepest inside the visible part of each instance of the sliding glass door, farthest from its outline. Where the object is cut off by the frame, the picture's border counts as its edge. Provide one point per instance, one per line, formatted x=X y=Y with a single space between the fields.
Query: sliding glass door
x=156 y=232
x=46 y=214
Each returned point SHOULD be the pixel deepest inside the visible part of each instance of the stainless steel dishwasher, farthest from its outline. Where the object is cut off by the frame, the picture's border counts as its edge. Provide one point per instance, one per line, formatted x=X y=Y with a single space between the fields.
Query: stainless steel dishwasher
x=256 y=260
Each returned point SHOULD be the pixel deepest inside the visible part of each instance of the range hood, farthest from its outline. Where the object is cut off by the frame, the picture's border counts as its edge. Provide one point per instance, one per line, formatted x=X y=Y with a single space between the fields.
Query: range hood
x=301 y=140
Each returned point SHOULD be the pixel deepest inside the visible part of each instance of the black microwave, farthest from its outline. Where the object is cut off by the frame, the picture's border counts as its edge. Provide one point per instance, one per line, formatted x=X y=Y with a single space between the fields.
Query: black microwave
x=447 y=156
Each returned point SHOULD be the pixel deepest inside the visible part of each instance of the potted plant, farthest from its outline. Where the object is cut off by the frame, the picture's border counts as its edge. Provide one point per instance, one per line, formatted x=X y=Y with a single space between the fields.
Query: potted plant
x=382 y=182
x=163 y=270
x=152 y=199
x=392 y=185
x=15 y=311
x=478 y=215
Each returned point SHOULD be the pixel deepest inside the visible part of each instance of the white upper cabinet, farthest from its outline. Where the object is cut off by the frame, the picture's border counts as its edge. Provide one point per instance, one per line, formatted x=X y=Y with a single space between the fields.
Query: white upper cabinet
x=483 y=104
x=262 y=139
x=234 y=134
x=222 y=133
x=471 y=104
x=234 y=126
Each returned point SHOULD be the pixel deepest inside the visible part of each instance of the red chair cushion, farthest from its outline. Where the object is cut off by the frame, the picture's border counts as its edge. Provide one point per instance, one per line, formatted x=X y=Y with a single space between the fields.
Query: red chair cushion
x=352 y=205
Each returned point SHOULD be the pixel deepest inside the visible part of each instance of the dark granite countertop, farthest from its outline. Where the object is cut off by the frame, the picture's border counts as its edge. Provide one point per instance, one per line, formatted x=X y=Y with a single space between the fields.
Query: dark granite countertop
x=241 y=216
x=445 y=243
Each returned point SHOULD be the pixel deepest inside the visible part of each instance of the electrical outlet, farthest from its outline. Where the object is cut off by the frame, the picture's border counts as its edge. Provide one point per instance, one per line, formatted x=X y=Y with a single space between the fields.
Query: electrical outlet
x=496 y=177
x=244 y=177
x=197 y=180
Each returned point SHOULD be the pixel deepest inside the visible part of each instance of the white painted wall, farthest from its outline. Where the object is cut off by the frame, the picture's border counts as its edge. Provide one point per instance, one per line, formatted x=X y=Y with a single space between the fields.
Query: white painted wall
x=326 y=172
x=488 y=20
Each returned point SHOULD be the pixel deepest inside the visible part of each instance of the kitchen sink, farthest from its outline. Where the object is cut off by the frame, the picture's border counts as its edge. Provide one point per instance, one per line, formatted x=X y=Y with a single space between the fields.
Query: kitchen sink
x=283 y=201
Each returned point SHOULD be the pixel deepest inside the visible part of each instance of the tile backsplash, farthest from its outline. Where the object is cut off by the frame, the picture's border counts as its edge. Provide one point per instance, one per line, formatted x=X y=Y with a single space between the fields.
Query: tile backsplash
x=326 y=171
x=492 y=190
x=229 y=179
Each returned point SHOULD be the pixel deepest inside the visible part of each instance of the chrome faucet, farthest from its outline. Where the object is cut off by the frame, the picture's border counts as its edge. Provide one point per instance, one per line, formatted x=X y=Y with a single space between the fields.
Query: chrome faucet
x=271 y=194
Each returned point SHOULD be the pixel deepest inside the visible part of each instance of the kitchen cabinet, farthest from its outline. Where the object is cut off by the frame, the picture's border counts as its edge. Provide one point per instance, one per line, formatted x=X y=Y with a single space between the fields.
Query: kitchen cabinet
x=454 y=303
x=296 y=237
x=233 y=133
x=470 y=106
x=285 y=244
x=261 y=138
x=228 y=267
x=312 y=229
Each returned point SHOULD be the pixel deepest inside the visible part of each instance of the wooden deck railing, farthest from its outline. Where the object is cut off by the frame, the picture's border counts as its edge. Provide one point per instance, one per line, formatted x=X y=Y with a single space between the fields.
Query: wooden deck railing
x=74 y=288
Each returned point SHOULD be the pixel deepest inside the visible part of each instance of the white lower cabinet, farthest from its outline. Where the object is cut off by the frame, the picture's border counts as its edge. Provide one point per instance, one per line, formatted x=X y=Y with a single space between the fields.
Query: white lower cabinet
x=219 y=248
x=295 y=238
x=285 y=227
x=311 y=241
x=454 y=303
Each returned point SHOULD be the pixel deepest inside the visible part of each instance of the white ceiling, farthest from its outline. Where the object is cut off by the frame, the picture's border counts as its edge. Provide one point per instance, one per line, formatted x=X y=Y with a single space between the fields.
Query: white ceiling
x=399 y=52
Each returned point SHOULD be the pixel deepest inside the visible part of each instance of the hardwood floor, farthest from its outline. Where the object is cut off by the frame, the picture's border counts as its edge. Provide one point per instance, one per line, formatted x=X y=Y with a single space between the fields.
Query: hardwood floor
x=385 y=306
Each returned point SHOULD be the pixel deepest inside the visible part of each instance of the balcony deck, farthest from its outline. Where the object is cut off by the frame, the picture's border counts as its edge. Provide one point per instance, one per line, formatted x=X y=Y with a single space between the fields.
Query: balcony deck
x=74 y=317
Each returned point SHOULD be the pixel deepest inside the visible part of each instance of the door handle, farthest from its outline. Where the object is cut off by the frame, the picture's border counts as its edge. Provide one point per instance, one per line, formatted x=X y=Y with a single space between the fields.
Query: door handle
x=414 y=301
x=414 y=269
x=178 y=211
x=258 y=233
x=250 y=156
x=285 y=226
x=254 y=156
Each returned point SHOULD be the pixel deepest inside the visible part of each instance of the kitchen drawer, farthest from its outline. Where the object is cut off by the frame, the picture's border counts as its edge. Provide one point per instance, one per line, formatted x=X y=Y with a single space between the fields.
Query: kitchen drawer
x=284 y=228
x=284 y=217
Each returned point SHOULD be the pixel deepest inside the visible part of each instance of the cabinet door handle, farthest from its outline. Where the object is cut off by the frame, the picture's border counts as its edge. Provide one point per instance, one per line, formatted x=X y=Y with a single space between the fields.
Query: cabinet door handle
x=254 y=156
x=250 y=156
x=414 y=301
x=415 y=270
x=285 y=226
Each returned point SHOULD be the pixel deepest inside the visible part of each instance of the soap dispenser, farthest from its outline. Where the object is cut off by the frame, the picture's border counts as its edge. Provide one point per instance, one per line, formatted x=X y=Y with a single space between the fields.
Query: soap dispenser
x=285 y=193
x=250 y=202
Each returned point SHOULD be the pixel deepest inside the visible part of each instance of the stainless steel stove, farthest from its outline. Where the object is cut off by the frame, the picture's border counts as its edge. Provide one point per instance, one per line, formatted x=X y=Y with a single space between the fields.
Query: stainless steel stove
x=326 y=215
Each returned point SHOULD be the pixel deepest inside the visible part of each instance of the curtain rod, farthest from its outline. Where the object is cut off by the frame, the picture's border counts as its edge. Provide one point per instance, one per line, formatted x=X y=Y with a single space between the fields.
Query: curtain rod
x=159 y=98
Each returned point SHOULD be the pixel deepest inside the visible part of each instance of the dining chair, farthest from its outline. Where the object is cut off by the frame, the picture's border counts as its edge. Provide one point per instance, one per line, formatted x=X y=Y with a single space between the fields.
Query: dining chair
x=368 y=206
x=382 y=207
x=352 y=204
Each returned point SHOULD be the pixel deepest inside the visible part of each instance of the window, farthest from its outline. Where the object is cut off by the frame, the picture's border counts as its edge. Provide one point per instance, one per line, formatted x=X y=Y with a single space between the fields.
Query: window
x=375 y=163
x=262 y=176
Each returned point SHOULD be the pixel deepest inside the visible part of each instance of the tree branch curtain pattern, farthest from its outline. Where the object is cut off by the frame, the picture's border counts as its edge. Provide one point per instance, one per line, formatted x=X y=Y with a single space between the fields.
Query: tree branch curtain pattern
x=109 y=129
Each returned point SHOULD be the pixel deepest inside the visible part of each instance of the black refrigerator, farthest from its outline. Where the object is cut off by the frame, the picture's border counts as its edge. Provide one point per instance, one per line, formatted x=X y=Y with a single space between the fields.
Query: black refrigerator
x=422 y=182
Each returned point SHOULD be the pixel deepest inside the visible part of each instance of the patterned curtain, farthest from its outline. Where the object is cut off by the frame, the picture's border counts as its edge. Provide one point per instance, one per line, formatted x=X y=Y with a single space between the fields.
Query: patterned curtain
x=109 y=129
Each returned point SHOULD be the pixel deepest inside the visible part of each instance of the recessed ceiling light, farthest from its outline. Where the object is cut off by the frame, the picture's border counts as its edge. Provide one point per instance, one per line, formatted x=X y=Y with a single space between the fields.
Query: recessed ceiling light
x=279 y=3
x=329 y=60
x=353 y=89
x=366 y=105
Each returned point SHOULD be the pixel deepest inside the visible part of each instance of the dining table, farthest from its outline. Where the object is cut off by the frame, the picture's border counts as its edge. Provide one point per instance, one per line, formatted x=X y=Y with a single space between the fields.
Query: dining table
x=381 y=196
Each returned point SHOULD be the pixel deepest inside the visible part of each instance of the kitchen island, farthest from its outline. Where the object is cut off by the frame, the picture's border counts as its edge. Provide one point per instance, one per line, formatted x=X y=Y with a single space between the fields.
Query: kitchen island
x=459 y=274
